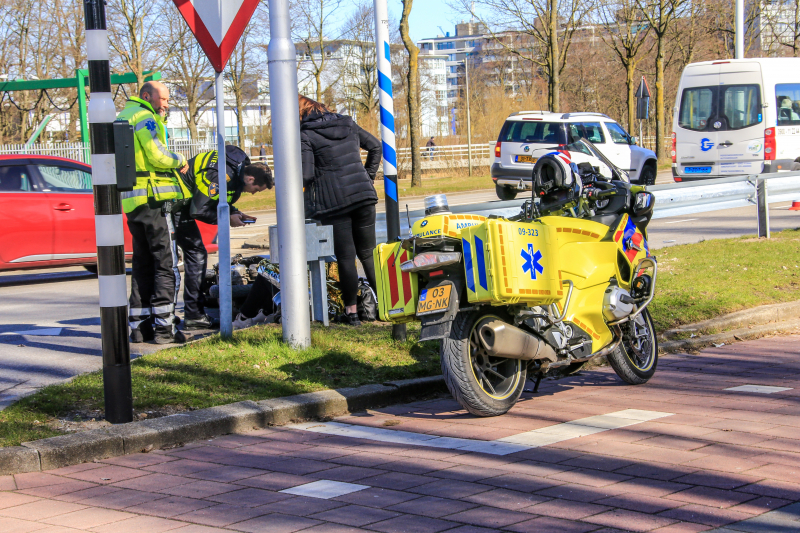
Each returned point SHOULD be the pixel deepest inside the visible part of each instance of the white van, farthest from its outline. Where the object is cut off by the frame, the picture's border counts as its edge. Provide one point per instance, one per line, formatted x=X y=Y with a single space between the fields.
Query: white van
x=736 y=116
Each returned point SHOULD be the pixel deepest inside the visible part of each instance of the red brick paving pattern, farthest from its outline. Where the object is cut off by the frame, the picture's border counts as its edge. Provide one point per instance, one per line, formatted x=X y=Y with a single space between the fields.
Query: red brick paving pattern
x=721 y=458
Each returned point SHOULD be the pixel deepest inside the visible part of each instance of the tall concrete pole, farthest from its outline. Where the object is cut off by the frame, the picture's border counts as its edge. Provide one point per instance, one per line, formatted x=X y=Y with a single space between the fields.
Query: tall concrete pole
x=739 y=44
x=110 y=238
x=223 y=219
x=281 y=52
x=469 y=122
x=383 y=58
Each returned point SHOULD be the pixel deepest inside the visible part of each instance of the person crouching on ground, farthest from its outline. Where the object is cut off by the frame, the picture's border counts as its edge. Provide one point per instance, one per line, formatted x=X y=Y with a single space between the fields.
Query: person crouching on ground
x=339 y=191
x=202 y=179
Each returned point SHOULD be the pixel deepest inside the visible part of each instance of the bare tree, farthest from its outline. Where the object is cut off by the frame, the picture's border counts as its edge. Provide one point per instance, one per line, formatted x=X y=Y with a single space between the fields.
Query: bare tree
x=314 y=29
x=661 y=15
x=543 y=32
x=625 y=34
x=138 y=35
x=412 y=95
x=783 y=21
x=242 y=79
x=361 y=80
x=189 y=72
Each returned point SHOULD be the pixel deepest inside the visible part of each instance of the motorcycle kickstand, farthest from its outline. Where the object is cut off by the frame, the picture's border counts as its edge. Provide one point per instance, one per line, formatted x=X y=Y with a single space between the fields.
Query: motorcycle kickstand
x=536 y=385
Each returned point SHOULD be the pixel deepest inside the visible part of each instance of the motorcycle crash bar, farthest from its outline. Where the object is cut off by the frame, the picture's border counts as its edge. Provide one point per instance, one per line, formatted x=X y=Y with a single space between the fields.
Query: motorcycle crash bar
x=504 y=340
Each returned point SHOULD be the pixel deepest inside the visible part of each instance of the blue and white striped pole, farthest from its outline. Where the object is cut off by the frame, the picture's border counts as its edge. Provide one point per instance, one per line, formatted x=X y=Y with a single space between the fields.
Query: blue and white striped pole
x=384 y=62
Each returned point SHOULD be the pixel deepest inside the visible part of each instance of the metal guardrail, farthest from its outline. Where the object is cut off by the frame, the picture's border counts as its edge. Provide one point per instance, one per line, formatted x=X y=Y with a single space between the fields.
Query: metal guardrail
x=674 y=199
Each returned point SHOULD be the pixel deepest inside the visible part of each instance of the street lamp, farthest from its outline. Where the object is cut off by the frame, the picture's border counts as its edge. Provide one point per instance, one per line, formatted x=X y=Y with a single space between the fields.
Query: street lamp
x=469 y=124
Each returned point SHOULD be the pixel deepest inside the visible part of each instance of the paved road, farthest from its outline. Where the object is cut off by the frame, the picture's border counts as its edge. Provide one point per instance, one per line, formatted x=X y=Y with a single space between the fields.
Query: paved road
x=690 y=451
x=63 y=303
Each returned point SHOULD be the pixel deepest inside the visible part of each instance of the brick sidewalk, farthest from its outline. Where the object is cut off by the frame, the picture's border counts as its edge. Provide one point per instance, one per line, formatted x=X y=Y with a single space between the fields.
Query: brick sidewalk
x=714 y=459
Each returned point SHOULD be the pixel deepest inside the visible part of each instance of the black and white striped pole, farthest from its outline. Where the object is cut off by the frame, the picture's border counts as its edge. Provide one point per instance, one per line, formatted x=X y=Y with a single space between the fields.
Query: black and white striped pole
x=108 y=222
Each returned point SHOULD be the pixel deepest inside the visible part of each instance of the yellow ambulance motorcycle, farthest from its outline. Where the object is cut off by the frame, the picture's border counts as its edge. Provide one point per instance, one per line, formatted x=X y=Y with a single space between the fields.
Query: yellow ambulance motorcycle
x=566 y=281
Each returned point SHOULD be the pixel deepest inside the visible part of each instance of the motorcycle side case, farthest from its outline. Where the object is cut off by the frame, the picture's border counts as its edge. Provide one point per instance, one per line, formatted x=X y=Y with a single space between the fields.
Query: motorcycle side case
x=397 y=291
x=511 y=262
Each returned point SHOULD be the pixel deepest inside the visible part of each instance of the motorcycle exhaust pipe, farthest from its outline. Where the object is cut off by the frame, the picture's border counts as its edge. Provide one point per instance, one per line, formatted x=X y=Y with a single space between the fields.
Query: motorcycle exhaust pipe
x=504 y=340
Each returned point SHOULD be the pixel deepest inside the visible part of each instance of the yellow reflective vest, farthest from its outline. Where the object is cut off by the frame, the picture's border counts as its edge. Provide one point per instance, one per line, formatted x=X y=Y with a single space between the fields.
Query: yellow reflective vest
x=156 y=177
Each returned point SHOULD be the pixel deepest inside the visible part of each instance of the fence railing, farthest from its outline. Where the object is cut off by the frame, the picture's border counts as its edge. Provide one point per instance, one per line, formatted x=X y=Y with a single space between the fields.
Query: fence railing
x=673 y=199
x=76 y=151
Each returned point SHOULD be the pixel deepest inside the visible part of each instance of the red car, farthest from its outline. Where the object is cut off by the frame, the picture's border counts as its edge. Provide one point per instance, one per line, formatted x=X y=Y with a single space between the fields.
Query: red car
x=47 y=214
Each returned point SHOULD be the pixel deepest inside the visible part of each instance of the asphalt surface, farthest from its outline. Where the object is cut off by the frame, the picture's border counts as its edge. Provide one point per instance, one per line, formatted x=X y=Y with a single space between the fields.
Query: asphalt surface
x=50 y=329
x=710 y=443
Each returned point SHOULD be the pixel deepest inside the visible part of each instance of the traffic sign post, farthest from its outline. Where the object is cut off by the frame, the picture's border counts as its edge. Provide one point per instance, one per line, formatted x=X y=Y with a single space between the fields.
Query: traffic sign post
x=383 y=59
x=642 y=104
x=218 y=25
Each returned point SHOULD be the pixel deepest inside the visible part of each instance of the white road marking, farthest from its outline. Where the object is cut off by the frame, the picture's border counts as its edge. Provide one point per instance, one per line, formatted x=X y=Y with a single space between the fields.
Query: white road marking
x=515 y=443
x=324 y=489
x=761 y=389
x=679 y=221
x=49 y=332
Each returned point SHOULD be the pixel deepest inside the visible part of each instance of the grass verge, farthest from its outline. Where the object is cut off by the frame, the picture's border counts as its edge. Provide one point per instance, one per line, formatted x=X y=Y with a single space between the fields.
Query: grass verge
x=254 y=365
x=712 y=278
x=431 y=184
x=696 y=282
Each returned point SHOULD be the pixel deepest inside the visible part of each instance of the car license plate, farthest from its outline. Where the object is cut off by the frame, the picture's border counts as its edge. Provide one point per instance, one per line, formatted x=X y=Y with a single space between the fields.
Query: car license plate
x=697 y=170
x=434 y=299
x=525 y=159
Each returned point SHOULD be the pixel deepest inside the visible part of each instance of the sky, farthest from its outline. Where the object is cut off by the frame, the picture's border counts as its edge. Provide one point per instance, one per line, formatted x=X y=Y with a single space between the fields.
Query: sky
x=427 y=16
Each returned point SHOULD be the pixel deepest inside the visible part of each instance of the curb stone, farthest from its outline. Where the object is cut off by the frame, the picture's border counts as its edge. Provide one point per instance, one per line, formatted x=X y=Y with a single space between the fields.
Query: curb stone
x=177 y=429
x=696 y=343
x=748 y=317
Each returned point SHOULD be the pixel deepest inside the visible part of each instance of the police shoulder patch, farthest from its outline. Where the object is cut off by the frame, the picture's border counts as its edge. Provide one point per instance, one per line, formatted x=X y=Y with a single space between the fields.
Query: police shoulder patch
x=213 y=189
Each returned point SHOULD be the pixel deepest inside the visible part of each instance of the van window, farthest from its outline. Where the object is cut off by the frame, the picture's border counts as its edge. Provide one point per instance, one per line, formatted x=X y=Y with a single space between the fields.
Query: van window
x=697 y=106
x=741 y=105
x=533 y=132
x=788 y=97
x=732 y=106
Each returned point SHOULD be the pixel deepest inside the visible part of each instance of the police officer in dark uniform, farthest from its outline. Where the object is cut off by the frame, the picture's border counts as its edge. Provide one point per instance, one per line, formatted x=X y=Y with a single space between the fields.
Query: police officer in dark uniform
x=202 y=179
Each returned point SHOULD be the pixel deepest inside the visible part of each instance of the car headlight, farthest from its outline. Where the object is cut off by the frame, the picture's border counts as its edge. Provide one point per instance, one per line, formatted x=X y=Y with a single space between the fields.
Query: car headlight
x=430 y=261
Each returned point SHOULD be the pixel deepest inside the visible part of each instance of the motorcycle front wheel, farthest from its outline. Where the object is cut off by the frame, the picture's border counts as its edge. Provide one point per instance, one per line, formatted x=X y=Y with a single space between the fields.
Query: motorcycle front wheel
x=483 y=385
x=636 y=357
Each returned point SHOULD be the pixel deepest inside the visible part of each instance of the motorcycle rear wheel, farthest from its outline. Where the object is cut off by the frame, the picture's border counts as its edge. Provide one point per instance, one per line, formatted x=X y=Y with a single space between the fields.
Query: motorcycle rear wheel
x=483 y=385
x=636 y=357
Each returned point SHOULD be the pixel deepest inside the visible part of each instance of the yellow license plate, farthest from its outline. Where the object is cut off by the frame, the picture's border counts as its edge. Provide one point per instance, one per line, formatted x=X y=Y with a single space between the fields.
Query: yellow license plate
x=434 y=299
x=526 y=159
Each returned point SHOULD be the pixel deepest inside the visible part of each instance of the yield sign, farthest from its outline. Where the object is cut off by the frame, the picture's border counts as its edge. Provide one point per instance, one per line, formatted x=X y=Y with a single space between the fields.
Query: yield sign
x=217 y=24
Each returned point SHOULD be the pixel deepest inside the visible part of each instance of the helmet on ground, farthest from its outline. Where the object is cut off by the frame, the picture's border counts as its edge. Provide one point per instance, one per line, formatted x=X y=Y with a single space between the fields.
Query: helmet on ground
x=552 y=172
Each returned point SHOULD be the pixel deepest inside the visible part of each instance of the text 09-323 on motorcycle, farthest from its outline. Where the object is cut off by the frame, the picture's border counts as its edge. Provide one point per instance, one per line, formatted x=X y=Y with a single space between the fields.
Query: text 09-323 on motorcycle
x=567 y=280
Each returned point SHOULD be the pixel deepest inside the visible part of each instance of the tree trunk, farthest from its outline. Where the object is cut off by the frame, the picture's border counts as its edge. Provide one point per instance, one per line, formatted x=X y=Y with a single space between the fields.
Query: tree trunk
x=318 y=80
x=660 y=111
x=630 y=70
x=192 y=118
x=412 y=96
x=553 y=89
x=240 y=117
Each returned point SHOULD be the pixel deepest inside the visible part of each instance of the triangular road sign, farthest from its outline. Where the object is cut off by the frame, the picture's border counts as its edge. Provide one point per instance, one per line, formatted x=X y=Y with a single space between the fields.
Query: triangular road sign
x=217 y=25
x=644 y=90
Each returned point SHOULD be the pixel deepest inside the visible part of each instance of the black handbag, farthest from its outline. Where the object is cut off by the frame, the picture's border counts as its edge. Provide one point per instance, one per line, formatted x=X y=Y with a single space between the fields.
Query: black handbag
x=367 y=302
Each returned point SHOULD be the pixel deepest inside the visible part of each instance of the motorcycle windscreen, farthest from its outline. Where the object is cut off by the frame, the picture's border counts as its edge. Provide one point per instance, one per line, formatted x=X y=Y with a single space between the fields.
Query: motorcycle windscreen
x=397 y=291
x=511 y=262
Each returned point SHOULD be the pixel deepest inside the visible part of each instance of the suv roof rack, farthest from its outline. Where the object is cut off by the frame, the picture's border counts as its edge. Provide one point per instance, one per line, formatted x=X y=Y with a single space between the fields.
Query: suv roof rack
x=570 y=115
x=529 y=113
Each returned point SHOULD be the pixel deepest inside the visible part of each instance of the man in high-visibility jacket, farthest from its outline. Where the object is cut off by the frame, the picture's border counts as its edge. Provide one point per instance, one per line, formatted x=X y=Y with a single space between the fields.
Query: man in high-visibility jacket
x=202 y=179
x=158 y=190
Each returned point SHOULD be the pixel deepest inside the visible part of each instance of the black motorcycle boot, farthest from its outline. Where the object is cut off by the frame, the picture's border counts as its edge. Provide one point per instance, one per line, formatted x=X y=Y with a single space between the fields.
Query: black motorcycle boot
x=143 y=332
x=351 y=319
x=167 y=337
x=202 y=322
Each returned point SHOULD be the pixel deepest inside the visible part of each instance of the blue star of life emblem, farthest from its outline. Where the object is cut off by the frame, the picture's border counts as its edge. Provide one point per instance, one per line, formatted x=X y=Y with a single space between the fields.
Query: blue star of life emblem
x=150 y=125
x=532 y=261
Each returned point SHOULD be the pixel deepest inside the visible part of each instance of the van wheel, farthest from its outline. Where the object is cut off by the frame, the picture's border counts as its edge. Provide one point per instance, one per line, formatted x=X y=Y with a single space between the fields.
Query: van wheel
x=483 y=385
x=648 y=175
x=505 y=193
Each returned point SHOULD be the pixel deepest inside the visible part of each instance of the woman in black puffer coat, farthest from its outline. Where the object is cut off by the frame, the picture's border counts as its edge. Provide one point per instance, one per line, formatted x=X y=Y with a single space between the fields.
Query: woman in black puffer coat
x=339 y=191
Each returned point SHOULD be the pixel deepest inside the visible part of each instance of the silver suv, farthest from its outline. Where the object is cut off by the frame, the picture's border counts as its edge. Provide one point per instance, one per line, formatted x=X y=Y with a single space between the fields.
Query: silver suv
x=527 y=135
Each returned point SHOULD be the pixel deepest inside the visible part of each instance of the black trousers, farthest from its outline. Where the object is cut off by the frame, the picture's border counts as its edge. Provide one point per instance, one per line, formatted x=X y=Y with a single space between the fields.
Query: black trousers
x=353 y=236
x=155 y=278
x=195 y=262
